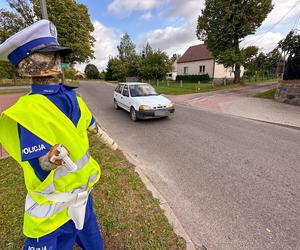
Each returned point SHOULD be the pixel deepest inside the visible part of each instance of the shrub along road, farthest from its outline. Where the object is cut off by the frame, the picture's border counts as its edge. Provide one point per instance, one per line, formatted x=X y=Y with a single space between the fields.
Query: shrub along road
x=233 y=183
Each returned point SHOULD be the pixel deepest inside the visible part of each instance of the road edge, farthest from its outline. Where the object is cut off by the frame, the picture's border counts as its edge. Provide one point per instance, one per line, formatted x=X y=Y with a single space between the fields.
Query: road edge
x=164 y=205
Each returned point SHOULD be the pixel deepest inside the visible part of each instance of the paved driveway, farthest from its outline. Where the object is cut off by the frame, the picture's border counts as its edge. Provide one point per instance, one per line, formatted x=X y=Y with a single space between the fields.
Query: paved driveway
x=240 y=102
x=233 y=183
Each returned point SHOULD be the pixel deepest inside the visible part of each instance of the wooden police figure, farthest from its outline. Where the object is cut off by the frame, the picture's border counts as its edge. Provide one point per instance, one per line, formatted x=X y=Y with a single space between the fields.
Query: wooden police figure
x=46 y=133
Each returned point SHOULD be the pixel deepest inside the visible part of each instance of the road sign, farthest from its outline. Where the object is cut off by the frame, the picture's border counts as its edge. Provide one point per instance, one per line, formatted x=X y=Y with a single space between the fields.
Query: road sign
x=65 y=66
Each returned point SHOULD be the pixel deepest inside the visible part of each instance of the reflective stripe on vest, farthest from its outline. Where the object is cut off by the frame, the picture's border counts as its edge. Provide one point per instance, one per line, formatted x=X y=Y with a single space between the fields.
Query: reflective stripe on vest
x=64 y=200
x=62 y=171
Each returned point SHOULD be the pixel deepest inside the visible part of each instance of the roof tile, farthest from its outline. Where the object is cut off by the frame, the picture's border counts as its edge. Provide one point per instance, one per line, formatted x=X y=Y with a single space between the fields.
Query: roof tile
x=196 y=53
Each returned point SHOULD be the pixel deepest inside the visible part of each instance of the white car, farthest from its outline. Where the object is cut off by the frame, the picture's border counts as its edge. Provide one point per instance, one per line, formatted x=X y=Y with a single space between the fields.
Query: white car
x=142 y=101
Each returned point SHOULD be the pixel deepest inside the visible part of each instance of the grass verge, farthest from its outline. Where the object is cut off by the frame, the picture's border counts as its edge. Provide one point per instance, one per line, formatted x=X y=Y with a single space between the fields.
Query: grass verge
x=175 y=88
x=72 y=83
x=269 y=94
x=4 y=92
x=128 y=215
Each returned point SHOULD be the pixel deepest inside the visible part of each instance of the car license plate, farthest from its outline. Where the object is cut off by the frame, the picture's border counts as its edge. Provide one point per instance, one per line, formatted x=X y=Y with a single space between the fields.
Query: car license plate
x=161 y=113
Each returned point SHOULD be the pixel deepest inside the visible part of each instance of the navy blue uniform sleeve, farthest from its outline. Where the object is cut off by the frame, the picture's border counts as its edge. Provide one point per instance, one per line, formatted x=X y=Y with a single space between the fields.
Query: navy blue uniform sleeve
x=92 y=121
x=32 y=147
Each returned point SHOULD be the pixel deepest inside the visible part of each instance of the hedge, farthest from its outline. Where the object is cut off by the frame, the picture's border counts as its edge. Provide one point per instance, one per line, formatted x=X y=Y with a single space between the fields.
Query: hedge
x=193 y=78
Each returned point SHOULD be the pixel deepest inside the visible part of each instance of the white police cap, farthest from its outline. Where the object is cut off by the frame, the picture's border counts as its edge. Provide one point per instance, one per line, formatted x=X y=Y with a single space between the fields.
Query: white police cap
x=39 y=37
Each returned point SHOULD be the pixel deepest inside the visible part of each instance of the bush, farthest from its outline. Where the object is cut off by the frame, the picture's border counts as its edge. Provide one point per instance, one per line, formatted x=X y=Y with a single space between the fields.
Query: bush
x=193 y=78
x=292 y=69
x=91 y=71
x=70 y=73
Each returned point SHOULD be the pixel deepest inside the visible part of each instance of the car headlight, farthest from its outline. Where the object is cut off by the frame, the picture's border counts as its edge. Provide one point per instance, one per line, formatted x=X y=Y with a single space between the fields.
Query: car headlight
x=144 y=107
x=171 y=105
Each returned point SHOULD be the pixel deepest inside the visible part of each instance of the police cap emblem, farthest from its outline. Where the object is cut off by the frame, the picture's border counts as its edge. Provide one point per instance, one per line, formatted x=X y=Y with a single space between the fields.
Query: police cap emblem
x=52 y=28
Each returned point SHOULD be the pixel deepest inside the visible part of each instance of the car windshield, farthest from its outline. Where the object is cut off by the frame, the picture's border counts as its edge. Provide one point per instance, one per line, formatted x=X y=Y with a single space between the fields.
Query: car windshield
x=142 y=90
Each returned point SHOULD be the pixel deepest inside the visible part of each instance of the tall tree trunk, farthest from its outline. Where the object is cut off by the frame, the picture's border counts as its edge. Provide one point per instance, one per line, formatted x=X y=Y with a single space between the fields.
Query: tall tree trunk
x=14 y=79
x=237 y=73
x=237 y=70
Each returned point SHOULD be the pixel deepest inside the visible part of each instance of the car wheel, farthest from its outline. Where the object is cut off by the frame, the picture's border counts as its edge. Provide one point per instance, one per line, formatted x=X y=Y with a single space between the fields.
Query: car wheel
x=116 y=104
x=133 y=114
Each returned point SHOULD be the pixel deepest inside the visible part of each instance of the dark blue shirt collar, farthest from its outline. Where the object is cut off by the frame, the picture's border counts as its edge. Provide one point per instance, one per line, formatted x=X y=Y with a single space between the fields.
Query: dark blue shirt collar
x=49 y=89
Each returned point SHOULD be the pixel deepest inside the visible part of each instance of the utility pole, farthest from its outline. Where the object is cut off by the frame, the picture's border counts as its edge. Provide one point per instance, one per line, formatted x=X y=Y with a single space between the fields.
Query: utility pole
x=44 y=9
x=44 y=12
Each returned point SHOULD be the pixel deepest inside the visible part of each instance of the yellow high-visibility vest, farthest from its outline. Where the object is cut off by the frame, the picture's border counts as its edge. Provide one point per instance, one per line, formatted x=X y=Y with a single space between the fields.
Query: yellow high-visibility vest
x=47 y=202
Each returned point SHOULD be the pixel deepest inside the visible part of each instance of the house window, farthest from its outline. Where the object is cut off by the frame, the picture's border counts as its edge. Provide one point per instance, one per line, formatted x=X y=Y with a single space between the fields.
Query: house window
x=186 y=70
x=202 y=69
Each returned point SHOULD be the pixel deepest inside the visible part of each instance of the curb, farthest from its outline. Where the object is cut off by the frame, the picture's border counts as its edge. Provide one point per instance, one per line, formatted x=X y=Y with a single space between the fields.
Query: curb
x=273 y=123
x=104 y=136
x=173 y=220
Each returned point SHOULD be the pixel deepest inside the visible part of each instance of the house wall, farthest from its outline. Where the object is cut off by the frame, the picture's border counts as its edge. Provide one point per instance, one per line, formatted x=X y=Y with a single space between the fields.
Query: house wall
x=221 y=72
x=193 y=67
x=214 y=69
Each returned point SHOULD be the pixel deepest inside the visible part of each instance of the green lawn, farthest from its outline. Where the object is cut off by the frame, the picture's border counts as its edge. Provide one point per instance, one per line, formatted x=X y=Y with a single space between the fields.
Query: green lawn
x=73 y=83
x=187 y=88
x=128 y=215
x=174 y=88
x=269 y=94
x=6 y=92
x=261 y=79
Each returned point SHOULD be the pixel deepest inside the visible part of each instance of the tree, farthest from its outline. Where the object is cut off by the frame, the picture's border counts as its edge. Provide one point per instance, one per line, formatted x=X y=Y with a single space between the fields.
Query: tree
x=70 y=73
x=149 y=64
x=10 y=23
x=274 y=62
x=7 y=70
x=250 y=63
x=91 y=71
x=155 y=66
x=291 y=45
x=126 y=48
x=147 y=50
x=174 y=57
x=71 y=19
x=117 y=70
x=25 y=10
x=223 y=24
x=74 y=27
x=102 y=75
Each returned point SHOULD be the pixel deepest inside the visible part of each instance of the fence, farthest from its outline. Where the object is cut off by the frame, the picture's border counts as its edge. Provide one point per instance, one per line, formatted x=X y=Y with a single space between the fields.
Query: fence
x=15 y=82
x=261 y=77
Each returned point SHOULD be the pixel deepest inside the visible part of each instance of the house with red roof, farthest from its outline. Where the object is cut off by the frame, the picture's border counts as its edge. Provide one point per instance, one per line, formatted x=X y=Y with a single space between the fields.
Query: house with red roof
x=199 y=60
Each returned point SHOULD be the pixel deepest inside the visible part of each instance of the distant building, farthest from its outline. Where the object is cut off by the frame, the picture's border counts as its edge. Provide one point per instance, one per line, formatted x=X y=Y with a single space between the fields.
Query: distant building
x=199 y=60
x=79 y=74
x=172 y=75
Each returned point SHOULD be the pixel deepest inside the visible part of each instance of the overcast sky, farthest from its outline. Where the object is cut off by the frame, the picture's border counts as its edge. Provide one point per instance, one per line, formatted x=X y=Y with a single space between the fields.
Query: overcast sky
x=171 y=24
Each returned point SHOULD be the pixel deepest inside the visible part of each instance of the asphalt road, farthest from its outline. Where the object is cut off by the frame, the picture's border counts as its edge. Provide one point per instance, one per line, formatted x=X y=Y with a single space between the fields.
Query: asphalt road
x=233 y=183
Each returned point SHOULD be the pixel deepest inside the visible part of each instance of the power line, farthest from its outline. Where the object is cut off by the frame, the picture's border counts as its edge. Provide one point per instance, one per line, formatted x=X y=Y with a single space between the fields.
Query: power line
x=281 y=19
x=297 y=20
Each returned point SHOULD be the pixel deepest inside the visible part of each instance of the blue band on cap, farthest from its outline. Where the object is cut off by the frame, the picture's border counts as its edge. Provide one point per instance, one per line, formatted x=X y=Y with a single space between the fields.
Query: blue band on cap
x=22 y=52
